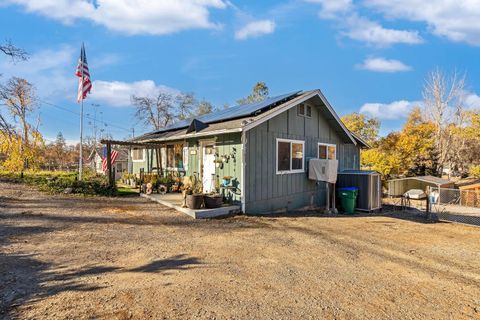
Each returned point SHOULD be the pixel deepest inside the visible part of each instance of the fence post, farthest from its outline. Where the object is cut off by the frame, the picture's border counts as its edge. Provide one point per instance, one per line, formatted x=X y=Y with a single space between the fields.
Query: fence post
x=428 y=207
x=439 y=194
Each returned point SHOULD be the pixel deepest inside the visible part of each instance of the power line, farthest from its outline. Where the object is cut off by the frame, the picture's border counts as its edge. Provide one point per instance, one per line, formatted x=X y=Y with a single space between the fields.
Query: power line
x=86 y=116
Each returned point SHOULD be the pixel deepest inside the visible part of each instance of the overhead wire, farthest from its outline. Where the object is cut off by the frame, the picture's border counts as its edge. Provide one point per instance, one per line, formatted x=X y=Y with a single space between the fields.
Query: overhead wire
x=86 y=116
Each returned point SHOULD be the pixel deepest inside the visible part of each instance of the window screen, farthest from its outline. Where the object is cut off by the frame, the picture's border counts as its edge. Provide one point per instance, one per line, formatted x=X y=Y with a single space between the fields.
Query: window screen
x=137 y=154
x=178 y=150
x=289 y=156
x=297 y=156
x=283 y=154
x=170 y=156
x=332 y=152
x=301 y=109
x=322 y=151
x=308 y=111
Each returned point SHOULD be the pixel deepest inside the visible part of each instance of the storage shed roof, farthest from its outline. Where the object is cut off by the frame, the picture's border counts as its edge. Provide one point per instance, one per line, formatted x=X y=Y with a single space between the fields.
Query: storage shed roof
x=429 y=179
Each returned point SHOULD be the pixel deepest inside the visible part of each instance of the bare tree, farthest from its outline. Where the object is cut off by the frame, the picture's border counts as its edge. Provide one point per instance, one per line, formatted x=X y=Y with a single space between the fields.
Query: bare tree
x=185 y=104
x=156 y=112
x=18 y=96
x=12 y=51
x=203 y=107
x=444 y=99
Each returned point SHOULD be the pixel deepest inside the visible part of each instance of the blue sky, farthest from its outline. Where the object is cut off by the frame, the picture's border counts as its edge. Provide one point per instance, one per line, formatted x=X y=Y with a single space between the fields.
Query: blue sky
x=370 y=56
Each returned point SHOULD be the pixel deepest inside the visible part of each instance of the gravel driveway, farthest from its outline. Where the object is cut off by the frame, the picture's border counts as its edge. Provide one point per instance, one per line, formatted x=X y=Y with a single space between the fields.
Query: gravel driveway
x=127 y=258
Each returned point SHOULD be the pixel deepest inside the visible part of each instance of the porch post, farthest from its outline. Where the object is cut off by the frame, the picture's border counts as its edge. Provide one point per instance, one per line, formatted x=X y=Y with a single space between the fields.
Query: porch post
x=109 y=165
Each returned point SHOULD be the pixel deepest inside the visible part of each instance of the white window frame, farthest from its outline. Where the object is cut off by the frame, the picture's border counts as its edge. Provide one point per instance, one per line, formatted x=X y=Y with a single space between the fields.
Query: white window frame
x=302 y=142
x=143 y=155
x=326 y=145
x=166 y=154
x=305 y=107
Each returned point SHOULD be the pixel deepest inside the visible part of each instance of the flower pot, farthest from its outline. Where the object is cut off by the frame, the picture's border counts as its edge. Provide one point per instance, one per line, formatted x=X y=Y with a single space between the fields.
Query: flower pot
x=194 y=201
x=215 y=201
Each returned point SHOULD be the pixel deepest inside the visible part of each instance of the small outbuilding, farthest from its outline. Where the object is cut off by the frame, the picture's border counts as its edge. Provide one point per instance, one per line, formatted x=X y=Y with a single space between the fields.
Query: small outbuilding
x=470 y=195
x=397 y=187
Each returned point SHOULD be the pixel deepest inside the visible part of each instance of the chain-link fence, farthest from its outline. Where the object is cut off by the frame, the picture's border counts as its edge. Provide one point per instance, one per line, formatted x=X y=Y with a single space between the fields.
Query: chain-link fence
x=465 y=198
x=455 y=205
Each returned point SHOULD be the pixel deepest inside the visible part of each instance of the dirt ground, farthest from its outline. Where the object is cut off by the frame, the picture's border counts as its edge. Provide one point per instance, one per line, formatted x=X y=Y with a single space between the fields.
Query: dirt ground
x=106 y=258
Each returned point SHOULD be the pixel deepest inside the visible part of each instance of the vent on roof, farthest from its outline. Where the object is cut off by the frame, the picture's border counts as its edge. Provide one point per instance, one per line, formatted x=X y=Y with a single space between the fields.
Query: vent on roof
x=196 y=125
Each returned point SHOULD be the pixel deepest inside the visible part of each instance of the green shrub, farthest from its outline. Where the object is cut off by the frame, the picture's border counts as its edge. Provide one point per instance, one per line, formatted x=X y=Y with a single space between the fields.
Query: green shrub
x=59 y=182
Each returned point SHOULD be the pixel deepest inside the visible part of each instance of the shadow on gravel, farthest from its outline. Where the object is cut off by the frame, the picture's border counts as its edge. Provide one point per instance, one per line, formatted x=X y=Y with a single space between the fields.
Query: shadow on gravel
x=147 y=219
x=24 y=278
x=179 y=262
x=418 y=217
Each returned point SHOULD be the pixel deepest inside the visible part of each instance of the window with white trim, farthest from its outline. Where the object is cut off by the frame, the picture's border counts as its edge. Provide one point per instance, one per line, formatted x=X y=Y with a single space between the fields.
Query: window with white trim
x=138 y=155
x=304 y=110
x=175 y=155
x=327 y=151
x=290 y=156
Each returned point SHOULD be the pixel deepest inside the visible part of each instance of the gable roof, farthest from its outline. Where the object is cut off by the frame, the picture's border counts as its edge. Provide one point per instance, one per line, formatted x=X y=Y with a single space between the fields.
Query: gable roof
x=246 y=117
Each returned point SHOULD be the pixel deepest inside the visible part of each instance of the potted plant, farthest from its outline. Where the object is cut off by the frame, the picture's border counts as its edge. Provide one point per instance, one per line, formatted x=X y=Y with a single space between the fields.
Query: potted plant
x=214 y=200
x=125 y=177
x=133 y=181
x=194 y=196
x=226 y=180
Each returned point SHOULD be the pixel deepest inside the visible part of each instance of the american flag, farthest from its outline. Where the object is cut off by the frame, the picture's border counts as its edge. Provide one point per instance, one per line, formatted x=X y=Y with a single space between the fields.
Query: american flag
x=84 y=84
x=114 y=156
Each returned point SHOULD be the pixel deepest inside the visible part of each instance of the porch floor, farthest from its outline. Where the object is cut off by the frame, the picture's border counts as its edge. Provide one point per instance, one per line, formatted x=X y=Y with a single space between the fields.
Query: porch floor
x=175 y=200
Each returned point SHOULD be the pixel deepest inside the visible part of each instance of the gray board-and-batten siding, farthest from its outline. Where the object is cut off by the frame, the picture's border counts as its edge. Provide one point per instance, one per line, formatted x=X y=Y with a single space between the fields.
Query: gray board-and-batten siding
x=269 y=192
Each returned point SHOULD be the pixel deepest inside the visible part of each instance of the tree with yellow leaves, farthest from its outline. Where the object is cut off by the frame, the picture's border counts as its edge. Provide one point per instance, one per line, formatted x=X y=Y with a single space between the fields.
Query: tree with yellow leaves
x=20 y=141
x=365 y=127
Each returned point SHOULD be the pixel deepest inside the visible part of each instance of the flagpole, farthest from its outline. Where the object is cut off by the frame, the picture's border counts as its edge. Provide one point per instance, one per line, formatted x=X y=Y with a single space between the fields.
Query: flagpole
x=80 y=168
x=80 y=162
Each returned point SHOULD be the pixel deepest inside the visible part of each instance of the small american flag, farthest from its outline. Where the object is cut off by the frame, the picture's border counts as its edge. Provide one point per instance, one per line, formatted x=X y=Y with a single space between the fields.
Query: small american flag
x=114 y=156
x=84 y=84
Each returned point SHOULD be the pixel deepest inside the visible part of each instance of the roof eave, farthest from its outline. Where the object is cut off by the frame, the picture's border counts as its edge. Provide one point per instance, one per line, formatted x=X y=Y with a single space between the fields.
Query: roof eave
x=194 y=135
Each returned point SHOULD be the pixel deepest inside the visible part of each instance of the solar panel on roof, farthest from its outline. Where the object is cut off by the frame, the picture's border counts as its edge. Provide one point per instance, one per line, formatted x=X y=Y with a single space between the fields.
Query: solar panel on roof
x=233 y=112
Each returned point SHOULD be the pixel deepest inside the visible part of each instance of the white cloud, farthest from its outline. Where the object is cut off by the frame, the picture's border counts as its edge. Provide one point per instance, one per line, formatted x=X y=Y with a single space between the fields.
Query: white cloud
x=472 y=100
x=359 y=28
x=50 y=71
x=384 y=65
x=255 y=29
x=456 y=20
x=133 y=17
x=370 y=32
x=117 y=93
x=331 y=8
x=389 y=111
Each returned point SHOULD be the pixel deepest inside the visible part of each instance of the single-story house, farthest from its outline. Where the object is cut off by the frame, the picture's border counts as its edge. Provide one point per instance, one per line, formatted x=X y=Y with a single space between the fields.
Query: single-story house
x=263 y=146
x=119 y=166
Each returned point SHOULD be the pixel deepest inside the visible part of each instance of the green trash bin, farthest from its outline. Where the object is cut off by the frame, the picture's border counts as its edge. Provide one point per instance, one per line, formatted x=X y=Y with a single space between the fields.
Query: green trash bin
x=348 y=199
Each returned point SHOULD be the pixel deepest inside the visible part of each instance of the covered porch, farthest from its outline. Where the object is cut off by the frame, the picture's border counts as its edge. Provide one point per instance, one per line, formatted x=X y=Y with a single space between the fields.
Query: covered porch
x=175 y=201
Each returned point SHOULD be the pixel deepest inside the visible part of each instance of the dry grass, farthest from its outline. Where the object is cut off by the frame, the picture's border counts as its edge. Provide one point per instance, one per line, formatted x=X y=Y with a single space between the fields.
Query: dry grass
x=65 y=257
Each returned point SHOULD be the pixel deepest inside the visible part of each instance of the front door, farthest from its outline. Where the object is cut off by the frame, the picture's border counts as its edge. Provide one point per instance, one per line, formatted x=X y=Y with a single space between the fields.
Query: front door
x=208 y=173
